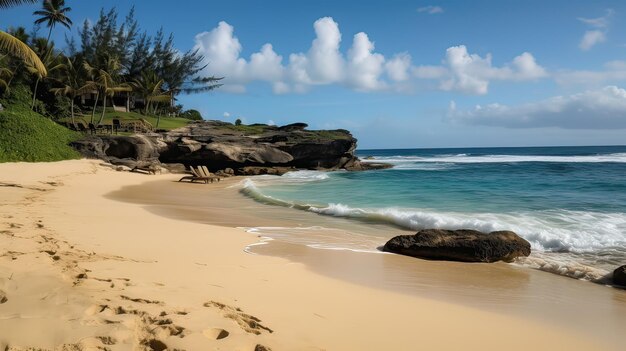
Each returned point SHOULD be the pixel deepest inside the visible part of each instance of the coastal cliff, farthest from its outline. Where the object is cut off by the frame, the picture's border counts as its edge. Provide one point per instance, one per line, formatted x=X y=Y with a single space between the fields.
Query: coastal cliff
x=239 y=149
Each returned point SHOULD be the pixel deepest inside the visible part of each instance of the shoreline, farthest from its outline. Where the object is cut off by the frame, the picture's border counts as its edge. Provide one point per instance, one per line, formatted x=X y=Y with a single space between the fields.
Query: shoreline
x=485 y=286
x=177 y=282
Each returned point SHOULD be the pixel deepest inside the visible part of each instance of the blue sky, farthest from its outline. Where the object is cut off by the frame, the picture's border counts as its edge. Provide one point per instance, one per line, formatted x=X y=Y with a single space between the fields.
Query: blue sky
x=402 y=74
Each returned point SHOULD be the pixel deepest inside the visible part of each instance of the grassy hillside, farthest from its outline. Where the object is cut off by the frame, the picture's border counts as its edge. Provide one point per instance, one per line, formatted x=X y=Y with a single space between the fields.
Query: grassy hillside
x=167 y=123
x=29 y=136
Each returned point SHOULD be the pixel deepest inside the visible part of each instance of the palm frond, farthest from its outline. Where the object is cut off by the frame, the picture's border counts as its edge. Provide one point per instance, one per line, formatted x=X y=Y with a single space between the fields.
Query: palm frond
x=15 y=47
x=11 y=3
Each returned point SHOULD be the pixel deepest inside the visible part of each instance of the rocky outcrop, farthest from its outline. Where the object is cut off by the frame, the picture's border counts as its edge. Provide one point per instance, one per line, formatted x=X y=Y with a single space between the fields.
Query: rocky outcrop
x=460 y=245
x=130 y=151
x=246 y=149
x=619 y=276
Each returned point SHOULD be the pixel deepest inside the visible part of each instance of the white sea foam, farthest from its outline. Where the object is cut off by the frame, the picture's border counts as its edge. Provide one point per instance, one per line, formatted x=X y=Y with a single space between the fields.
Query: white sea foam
x=464 y=158
x=306 y=175
x=318 y=237
x=551 y=230
x=577 y=244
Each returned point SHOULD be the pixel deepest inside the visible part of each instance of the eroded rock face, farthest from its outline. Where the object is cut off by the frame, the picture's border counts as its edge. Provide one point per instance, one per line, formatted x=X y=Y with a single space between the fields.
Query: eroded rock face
x=460 y=245
x=129 y=151
x=619 y=276
x=220 y=145
x=249 y=150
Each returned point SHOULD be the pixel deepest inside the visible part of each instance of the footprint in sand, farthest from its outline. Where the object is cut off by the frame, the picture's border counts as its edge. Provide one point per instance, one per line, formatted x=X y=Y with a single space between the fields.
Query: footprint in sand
x=3 y=297
x=248 y=323
x=215 y=333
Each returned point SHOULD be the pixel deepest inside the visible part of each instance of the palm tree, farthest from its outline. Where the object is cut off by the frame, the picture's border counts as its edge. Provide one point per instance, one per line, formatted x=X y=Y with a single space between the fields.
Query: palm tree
x=104 y=79
x=50 y=63
x=149 y=87
x=53 y=13
x=10 y=3
x=15 y=47
x=74 y=84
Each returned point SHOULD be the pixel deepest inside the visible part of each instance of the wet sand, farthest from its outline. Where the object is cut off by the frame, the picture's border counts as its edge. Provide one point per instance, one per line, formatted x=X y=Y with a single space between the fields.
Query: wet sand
x=589 y=309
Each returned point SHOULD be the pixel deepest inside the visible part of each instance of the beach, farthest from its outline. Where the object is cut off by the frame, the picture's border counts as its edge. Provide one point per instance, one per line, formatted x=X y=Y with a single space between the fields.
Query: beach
x=97 y=259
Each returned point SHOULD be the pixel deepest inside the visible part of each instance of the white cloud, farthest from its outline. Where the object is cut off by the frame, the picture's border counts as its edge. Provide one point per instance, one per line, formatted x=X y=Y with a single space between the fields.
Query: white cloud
x=398 y=67
x=221 y=50
x=324 y=62
x=598 y=35
x=470 y=73
x=364 y=66
x=593 y=109
x=226 y=114
x=271 y=123
x=599 y=22
x=591 y=38
x=266 y=65
x=361 y=69
x=613 y=72
x=431 y=10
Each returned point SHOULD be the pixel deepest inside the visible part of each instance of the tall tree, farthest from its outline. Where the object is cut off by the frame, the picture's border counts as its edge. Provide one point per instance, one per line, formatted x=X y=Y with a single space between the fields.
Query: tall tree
x=181 y=71
x=53 y=13
x=73 y=83
x=49 y=60
x=15 y=47
x=106 y=80
x=149 y=87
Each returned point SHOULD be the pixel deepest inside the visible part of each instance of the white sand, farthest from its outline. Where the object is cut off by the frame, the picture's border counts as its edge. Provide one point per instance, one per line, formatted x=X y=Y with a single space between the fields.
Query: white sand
x=80 y=271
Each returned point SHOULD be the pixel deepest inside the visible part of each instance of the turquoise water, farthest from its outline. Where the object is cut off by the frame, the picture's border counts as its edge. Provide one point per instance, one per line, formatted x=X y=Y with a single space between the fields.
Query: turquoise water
x=564 y=200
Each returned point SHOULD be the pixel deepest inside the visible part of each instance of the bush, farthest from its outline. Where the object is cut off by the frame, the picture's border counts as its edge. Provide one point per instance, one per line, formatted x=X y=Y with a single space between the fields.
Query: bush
x=238 y=122
x=29 y=136
x=18 y=95
x=193 y=115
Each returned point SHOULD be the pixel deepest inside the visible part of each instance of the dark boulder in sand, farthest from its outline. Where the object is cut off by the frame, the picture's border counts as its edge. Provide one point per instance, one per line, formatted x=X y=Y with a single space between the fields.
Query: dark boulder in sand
x=460 y=245
x=619 y=276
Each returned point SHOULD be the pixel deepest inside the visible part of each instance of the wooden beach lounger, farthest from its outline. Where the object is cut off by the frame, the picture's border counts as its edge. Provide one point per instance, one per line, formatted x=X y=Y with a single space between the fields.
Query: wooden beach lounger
x=200 y=175
x=205 y=172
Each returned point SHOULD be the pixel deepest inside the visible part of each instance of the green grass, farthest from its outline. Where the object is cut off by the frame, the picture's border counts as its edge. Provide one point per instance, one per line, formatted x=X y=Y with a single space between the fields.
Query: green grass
x=167 y=123
x=247 y=129
x=328 y=134
x=28 y=136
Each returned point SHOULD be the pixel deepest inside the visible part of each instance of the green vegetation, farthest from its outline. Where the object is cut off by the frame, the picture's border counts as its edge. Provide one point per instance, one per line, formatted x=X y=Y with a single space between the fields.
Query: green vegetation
x=312 y=135
x=253 y=129
x=28 y=136
x=113 y=63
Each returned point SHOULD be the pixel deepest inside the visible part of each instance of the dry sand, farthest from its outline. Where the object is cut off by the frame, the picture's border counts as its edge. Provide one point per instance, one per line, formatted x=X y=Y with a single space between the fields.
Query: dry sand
x=80 y=270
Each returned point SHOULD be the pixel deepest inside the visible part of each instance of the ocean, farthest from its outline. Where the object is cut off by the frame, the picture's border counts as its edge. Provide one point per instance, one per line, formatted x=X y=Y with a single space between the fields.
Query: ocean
x=568 y=202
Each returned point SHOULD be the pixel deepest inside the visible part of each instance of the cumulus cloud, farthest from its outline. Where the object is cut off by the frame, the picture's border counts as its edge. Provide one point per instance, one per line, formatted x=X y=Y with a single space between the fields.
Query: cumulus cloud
x=593 y=109
x=471 y=73
x=361 y=68
x=364 y=65
x=597 y=35
x=226 y=114
x=398 y=67
x=431 y=10
x=221 y=49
